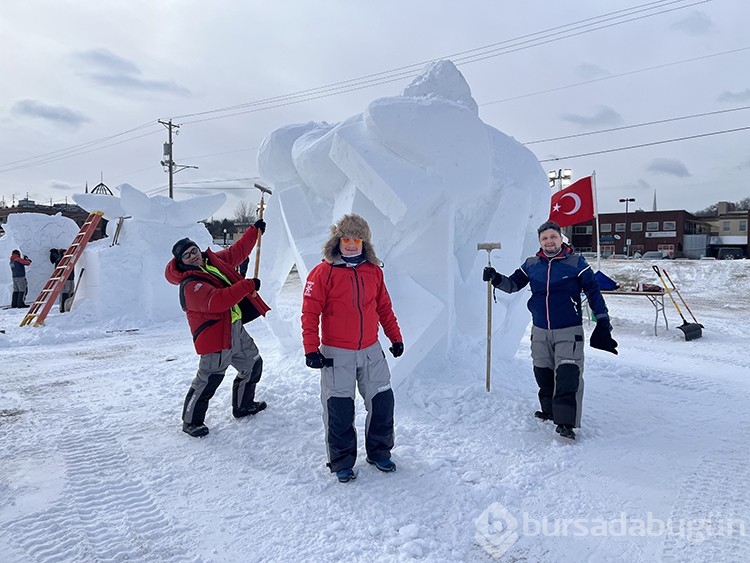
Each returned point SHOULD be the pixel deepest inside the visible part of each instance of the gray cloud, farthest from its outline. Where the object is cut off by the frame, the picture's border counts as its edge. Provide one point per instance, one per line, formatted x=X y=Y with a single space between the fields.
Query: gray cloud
x=590 y=71
x=668 y=166
x=695 y=23
x=58 y=115
x=604 y=117
x=734 y=97
x=121 y=75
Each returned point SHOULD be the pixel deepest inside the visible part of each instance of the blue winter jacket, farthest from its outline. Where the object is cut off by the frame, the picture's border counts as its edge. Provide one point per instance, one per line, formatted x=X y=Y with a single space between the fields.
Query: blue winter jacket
x=556 y=286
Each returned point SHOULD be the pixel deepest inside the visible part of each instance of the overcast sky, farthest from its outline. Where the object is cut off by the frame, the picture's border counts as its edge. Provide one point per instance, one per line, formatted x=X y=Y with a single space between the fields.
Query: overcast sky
x=84 y=83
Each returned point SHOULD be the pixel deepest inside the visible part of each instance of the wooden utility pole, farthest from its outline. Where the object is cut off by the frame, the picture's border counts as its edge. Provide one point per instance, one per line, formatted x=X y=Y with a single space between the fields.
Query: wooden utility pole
x=170 y=166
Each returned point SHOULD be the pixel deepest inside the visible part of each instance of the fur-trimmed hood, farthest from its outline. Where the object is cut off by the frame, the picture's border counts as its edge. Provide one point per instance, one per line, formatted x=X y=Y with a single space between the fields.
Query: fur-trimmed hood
x=354 y=226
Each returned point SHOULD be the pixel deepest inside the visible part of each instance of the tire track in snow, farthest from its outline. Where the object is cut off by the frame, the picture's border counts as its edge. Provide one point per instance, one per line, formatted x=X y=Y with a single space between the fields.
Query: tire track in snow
x=710 y=520
x=103 y=514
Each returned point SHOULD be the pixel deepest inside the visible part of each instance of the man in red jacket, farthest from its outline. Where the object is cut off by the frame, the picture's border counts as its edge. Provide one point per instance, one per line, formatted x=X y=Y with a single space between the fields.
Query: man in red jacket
x=346 y=298
x=218 y=301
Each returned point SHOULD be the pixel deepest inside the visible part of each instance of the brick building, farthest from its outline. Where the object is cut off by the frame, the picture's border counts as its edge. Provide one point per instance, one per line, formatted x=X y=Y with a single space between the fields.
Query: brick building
x=676 y=233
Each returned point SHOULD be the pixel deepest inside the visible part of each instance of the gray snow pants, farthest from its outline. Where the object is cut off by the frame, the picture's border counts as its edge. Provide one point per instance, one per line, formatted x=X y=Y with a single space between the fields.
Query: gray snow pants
x=558 y=368
x=367 y=370
x=244 y=357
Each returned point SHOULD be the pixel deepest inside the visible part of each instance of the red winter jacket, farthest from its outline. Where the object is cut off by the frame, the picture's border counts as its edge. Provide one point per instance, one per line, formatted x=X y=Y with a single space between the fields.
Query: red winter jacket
x=351 y=303
x=208 y=300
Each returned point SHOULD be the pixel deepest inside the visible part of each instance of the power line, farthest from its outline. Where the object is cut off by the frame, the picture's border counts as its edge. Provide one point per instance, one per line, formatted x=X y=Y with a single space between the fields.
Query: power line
x=662 y=142
x=548 y=35
x=657 y=122
x=612 y=76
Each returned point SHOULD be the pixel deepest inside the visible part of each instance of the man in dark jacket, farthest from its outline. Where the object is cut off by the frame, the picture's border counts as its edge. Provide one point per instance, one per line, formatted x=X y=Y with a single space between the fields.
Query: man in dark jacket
x=557 y=277
x=345 y=301
x=18 y=265
x=217 y=301
x=55 y=256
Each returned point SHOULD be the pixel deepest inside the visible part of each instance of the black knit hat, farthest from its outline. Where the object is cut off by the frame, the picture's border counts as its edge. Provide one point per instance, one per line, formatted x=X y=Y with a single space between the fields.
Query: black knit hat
x=547 y=225
x=180 y=247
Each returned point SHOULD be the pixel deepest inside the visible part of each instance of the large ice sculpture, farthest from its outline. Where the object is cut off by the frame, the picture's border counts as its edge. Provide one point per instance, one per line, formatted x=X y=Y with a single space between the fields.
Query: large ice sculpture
x=432 y=180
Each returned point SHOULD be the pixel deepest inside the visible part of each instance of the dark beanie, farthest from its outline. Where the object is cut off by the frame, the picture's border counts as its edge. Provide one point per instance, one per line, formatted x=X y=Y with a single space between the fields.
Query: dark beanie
x=180 y=247
x=548 y=225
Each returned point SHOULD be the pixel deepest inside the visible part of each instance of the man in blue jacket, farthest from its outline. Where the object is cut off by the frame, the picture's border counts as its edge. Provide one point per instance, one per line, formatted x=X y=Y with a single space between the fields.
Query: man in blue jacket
x=557 y=277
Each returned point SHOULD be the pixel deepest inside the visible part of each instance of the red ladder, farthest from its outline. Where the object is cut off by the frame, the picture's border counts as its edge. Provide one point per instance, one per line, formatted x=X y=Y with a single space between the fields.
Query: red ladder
x=46 y=299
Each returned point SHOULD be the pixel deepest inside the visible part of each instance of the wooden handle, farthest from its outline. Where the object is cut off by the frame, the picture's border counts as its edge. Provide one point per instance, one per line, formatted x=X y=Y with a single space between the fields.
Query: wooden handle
x=260 y=238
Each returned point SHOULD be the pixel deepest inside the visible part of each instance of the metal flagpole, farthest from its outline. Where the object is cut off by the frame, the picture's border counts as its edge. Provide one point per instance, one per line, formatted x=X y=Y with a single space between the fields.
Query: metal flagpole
x=596 y=221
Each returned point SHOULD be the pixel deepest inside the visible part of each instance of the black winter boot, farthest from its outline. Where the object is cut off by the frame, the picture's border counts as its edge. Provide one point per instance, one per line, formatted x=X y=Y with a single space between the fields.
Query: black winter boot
x=14 y=300
x=565 y=431
x=194 y=430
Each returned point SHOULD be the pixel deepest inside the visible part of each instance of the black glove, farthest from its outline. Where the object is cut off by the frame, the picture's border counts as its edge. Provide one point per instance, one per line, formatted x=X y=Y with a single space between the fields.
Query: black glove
x=257 y=284
x=260 y=224
x=25 y=257
x=601 y=339
x=397 y=349
x=492 y=276
x=315 y=360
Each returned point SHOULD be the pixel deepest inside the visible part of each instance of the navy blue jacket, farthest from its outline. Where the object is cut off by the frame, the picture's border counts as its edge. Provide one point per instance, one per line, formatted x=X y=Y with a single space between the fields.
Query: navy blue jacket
x=556 y=286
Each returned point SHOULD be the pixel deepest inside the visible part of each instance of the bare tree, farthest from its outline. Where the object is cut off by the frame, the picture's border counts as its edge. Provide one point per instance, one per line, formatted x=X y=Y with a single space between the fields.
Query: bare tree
x=244 y=213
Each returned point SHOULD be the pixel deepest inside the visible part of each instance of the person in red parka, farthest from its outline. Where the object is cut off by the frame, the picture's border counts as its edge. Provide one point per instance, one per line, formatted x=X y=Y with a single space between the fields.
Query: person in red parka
x=217 y=301
x=345 y=301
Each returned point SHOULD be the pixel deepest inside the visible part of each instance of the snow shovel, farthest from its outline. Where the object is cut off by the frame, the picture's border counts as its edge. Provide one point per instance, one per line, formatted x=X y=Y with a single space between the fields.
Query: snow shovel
x=68 y=303
x=677 y=291
x=489 y=247
x=691 y=330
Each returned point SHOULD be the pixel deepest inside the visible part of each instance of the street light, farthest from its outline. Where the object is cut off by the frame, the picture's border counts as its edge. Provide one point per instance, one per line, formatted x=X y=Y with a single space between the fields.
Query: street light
x=225 y=237
x=563 y=174
x=626 y=200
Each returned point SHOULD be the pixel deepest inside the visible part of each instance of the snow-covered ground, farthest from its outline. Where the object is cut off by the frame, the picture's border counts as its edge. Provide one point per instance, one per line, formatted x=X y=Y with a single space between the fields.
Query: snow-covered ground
x=94 y=466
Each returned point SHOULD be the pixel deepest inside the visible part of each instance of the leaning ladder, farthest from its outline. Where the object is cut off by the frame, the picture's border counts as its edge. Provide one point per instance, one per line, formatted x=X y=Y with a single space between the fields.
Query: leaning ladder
x=46 y=299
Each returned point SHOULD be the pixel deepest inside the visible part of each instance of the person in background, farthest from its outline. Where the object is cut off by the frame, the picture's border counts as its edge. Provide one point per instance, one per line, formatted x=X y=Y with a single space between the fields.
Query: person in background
x=217 y=301
x=557 y=277
x=55 y=256
x=18 y=265
x=344 y=301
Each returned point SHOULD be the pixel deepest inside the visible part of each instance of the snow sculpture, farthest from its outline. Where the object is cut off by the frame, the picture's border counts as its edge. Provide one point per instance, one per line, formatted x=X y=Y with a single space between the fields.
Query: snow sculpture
x=144 y=247
x=33 y=234
x=432 y=180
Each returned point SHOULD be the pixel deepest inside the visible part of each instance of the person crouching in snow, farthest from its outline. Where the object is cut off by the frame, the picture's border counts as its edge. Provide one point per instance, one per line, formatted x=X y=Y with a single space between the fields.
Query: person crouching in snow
x=346 y=298
x=218 y=301
x=20 y=285
x=557 y=277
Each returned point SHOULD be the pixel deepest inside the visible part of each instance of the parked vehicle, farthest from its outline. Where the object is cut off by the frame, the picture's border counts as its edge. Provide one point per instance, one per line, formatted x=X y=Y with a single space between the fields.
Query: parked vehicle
x=653 y=255
x=730 y=253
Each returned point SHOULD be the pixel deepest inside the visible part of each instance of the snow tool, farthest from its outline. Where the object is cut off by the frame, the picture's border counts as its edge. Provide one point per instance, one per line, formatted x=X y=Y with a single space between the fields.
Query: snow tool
x=261 y=206
x=677 y=291
x=489 y=247
x=691 y=330
x=68 y=303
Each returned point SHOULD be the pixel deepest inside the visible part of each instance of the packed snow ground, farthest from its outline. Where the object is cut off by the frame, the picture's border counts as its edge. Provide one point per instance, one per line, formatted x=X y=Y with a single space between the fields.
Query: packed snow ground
x=94 y=466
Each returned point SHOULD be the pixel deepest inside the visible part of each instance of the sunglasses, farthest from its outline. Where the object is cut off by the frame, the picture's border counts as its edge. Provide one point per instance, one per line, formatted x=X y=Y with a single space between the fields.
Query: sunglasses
x=190 y=253
x=348 y=240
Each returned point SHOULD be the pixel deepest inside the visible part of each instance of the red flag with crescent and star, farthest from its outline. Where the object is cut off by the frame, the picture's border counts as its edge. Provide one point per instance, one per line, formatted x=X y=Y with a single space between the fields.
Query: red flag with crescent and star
x=574 y=204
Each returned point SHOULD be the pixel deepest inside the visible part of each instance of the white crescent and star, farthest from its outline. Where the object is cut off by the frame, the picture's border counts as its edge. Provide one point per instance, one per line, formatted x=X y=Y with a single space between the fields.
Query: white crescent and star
x=576 y=206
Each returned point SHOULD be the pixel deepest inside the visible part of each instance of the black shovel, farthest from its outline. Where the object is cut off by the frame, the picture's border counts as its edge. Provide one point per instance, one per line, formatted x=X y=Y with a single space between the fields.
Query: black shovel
x=691 y=330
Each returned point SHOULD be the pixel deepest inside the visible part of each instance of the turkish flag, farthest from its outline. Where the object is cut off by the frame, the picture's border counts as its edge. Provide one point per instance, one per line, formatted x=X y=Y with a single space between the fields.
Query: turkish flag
x=574 y=204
